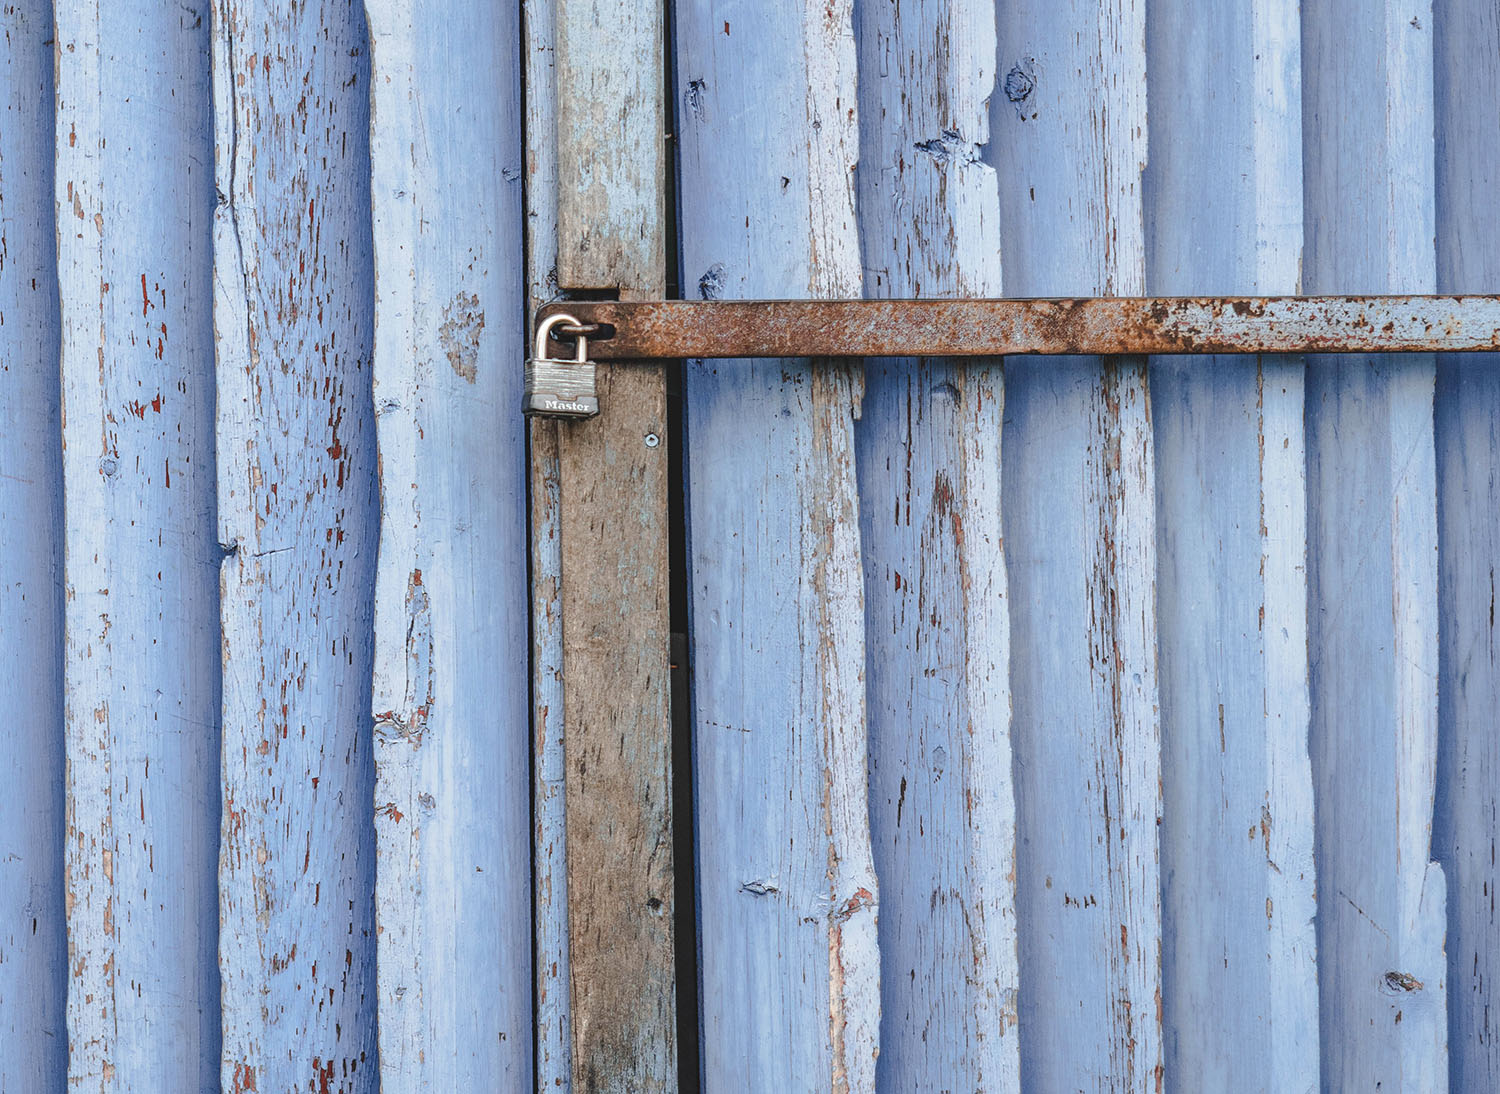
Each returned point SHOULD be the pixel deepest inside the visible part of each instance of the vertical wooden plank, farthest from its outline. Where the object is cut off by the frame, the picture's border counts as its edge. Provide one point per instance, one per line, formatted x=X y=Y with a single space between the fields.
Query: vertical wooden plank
x=134 y=206
x=1467 y=92
x=1070 y=139
x=787 y=904
x=942 y=810
x=1372 y=545
x=452 y=816
x=33 y=939
x=1224 y=209
x=293 y=298
x=612 y=527
x=552 y=972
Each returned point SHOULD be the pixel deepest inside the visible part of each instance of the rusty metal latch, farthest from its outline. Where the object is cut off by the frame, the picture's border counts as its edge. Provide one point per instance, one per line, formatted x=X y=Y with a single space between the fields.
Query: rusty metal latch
x=667 y=329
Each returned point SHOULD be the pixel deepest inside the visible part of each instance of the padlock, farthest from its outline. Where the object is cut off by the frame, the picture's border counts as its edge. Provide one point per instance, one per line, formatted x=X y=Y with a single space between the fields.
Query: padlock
x=559 y=389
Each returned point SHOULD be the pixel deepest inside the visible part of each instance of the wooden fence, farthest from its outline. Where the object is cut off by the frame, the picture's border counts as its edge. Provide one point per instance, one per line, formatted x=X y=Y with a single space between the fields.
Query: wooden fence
x=1086 y=724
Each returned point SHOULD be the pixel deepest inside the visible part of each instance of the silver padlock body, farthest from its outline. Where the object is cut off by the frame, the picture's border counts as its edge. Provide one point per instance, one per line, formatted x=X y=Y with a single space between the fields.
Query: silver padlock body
x=560 y=389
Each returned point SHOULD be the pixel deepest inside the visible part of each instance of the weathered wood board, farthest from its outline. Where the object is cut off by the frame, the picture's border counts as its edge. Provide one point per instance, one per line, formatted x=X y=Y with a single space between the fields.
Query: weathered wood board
x=942 y=804
x=1467 y=96
x=293 y=303
x=787 y=895
x=135 y=200
x=1069 y=141
x=33 y=936
x=612 y=545
x=552 y=973
x=1224 y=212
x=1372 y=553
x=451 y=644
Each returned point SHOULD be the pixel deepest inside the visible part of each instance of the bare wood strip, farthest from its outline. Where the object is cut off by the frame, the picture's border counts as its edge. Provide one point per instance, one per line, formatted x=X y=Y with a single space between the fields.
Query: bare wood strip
x=293 y=312
x=134 y=206
x=613 y=554
x=450 y=679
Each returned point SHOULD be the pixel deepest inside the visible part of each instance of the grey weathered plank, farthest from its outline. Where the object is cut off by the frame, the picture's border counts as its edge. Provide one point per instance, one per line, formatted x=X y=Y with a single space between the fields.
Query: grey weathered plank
x=610 y=118
x=1069 y=136
x=612 y=543
x=134 y=206
x=612 y=522
x=552 y=974
x=1467 y=93
x=1224 y=208
x=293 y=303
x=33 y=955
x=1372 y=548
x=787 y=905
x=942 y=809
x=452 y=815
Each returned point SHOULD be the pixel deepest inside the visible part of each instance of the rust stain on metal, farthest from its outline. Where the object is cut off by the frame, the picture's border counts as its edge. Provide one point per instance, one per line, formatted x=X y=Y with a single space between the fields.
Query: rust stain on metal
x=1091 y=326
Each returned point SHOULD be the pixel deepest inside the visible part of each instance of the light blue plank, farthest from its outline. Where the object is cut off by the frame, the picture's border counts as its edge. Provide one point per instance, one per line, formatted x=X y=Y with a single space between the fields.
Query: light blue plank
x=293 y=312
x=33 y=970
x=453 y=895
x=1372 y=553
x=942 y=810
x=1069 y=143
x=786 y=886
x=134 y=206
x=1224 y=206
x=1467 y=88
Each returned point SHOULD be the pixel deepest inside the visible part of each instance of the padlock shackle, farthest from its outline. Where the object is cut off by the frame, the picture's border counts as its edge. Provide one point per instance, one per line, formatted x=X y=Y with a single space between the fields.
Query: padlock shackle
x=544 y=333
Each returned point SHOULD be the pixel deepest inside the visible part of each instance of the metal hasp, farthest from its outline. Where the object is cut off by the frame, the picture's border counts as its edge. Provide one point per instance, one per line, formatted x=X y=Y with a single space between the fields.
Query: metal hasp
x=621 y=330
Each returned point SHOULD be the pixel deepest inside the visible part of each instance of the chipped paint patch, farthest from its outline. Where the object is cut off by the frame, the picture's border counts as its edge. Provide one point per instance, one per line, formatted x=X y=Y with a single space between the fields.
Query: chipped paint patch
x=463 y=323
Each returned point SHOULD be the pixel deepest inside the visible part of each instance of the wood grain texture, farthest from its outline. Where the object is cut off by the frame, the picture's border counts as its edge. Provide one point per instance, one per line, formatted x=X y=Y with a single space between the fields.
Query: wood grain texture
x=612 y=522
x=1467 y=94
x=1069 y=142
x=452 y=813
x=33 y=936
x=293 y=303
x=134 y=208
x=1224 y=210
x=1372 y=547
x=942 y=810
x=787 y=895
x=552 y=972
x=612 y=544
x=610 y=121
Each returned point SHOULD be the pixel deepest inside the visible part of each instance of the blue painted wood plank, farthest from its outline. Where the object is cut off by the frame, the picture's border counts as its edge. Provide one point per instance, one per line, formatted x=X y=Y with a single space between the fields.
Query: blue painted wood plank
x=1069 y=145
x=942 y=808
x=787 y=899
x=134 y=208
x=450 y=688
x=293 y=314
x=1224 y=210
x=1467 y=96
x=1372 y=548
x=33 y=955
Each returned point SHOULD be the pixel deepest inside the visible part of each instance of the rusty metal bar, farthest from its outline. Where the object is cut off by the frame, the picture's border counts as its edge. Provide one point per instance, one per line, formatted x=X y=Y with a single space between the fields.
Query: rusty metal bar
x=992 y=328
